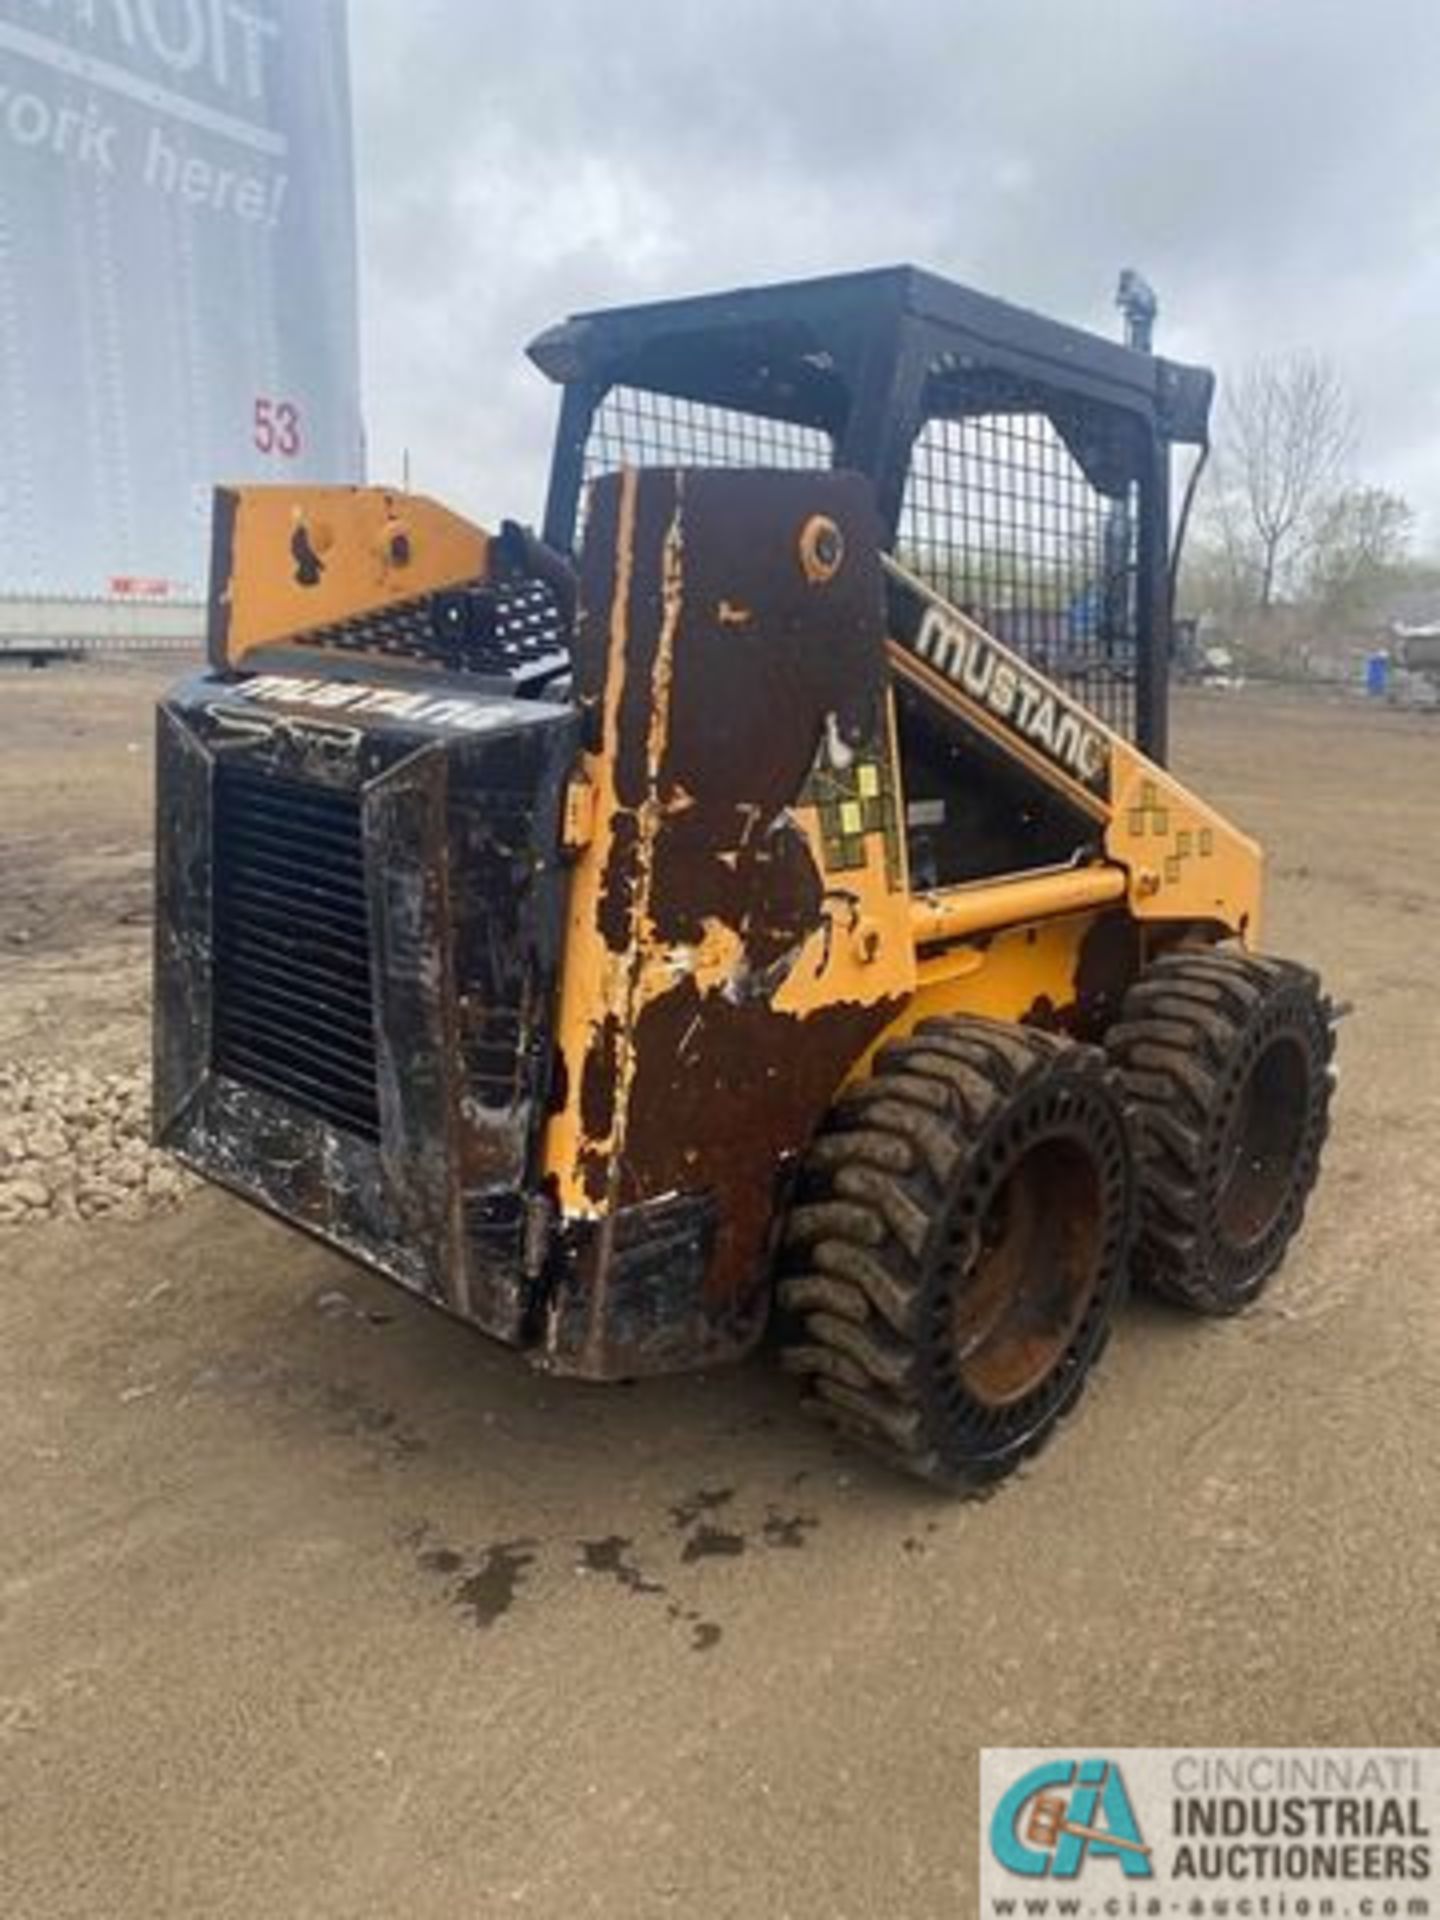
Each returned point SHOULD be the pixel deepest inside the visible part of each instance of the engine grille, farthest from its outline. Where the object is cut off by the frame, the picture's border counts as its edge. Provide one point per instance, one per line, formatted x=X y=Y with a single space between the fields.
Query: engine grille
x=498 y=629
x=294 y=995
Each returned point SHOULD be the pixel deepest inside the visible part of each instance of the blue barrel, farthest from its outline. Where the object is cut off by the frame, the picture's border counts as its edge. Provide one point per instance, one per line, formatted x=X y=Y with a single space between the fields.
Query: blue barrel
x=1377 y=675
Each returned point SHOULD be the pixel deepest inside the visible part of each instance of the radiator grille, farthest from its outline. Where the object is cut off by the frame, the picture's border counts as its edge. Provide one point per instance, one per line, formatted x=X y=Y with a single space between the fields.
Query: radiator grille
x=294 y=1001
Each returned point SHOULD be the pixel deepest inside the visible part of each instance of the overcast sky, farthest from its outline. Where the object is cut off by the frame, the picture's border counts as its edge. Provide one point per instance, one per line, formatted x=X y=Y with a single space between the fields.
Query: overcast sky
x=1272 y=166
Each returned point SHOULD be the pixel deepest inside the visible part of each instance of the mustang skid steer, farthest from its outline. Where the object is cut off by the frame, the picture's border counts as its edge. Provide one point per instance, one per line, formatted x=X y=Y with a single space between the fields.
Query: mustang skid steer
x=762 y=898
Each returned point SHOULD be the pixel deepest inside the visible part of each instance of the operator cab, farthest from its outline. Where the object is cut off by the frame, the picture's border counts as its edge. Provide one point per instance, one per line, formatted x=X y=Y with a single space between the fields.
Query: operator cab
x=1020 y=466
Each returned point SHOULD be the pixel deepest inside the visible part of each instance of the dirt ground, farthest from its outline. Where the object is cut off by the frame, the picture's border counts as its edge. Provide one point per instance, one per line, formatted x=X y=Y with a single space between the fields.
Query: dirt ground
x=313 y=1604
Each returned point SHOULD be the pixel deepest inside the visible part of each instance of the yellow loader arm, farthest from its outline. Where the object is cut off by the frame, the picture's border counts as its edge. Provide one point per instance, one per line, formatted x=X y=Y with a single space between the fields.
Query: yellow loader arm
x=1168 y=855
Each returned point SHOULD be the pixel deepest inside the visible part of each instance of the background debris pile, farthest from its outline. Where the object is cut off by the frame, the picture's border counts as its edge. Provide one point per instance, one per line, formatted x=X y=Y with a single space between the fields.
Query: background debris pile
x=74 y=1145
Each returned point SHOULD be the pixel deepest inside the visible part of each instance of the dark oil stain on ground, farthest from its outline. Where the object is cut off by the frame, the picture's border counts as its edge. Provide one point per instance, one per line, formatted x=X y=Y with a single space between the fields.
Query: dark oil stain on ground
x=712 y=1543
x=611 y=1556
x=485 y=1584
x=495 y=1573
x=704 y=1634
x=707 y=1541
x=787 y=1529
x=490 y=1590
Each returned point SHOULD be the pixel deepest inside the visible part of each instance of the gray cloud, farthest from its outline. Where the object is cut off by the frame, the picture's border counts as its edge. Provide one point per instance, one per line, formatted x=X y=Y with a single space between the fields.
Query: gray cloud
x=1272 y=167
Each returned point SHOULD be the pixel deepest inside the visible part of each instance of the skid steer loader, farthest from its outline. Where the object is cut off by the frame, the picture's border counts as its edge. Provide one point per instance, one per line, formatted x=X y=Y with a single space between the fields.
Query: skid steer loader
x=759 y=899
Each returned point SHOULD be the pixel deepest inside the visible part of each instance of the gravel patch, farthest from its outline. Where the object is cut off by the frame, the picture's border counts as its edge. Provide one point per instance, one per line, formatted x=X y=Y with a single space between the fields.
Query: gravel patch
x=74 y=1145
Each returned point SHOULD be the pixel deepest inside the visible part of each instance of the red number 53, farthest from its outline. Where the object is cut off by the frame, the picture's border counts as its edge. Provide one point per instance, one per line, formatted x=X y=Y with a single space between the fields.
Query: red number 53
x=277 y=427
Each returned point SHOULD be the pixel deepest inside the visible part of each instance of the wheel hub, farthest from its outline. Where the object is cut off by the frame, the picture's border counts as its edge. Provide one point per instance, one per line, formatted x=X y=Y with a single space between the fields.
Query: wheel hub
x=1041 y=1244
x=1260 y=1147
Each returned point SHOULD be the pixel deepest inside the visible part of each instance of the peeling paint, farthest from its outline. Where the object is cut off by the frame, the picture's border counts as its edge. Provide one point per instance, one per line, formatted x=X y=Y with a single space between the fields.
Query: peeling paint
x=731 y=1041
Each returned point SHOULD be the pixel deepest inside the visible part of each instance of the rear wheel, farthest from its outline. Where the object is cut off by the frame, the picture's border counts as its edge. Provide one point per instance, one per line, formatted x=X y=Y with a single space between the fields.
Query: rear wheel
x=957 y=1246
x=1226 y=1062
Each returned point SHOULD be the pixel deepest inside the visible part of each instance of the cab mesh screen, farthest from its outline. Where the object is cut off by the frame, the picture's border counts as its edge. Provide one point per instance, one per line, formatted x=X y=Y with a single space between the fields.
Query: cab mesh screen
x=999 y=517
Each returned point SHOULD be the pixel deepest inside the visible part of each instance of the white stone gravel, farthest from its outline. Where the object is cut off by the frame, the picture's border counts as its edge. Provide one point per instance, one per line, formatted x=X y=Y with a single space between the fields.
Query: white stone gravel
x=74 y=1145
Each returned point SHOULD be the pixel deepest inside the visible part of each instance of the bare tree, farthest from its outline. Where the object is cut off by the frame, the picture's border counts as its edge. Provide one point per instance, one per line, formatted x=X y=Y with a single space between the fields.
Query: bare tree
x=1359 y=542
x=1221 y=573
x=1286 y=435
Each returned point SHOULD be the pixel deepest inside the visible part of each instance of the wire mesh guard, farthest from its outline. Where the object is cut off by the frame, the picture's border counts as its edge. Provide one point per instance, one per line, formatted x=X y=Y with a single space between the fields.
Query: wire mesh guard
x=999 y=517
x=634 y=428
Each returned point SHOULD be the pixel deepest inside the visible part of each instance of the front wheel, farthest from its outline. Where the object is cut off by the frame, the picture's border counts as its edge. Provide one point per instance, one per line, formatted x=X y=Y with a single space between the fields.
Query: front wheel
x=958 y=1244
x=1226 y=1063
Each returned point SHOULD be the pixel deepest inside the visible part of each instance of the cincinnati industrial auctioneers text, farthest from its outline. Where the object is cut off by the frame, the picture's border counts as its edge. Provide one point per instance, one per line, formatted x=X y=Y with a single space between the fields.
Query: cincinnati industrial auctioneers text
x=1263 y=1816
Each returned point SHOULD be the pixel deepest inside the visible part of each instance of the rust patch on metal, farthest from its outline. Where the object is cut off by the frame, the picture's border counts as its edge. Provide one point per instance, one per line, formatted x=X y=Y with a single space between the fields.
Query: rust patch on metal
x=598 y=1080
x=723 y=994
x=722 y=1093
